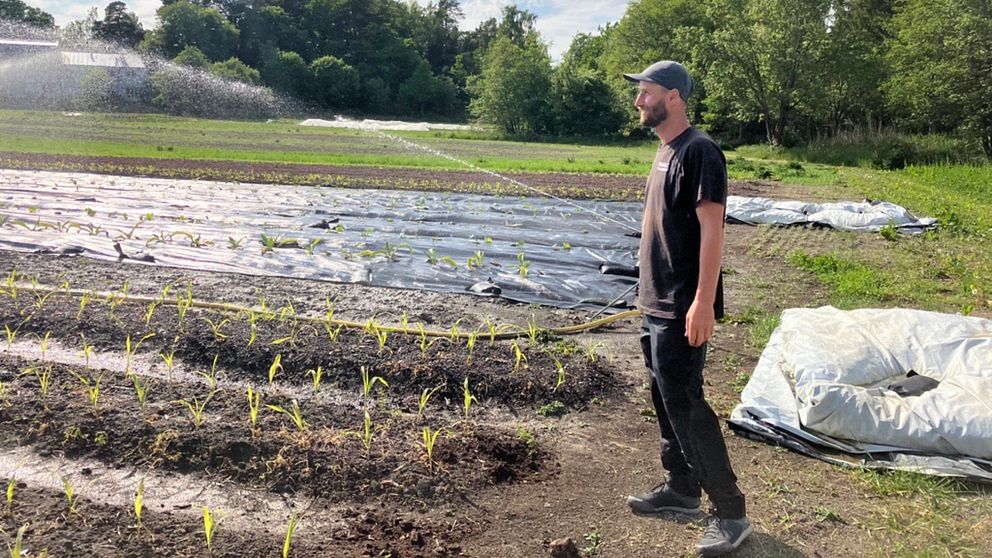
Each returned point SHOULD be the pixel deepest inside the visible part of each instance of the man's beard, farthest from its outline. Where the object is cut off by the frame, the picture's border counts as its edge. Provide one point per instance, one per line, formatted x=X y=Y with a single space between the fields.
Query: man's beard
x=652 y=117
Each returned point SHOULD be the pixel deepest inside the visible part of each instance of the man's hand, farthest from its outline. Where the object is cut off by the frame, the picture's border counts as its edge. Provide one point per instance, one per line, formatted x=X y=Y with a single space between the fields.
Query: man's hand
x=699 y=322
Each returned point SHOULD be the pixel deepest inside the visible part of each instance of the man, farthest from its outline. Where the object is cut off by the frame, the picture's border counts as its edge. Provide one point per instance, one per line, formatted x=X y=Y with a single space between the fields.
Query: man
x=680 y=297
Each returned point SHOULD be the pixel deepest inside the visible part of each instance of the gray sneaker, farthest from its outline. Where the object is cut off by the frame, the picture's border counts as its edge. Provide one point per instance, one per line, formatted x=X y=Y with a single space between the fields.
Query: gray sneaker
x=723 y=535
x=662 y=499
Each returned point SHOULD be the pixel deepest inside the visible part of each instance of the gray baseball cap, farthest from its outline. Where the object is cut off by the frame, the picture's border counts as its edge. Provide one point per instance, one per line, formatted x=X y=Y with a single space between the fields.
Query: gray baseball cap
x=668 y=74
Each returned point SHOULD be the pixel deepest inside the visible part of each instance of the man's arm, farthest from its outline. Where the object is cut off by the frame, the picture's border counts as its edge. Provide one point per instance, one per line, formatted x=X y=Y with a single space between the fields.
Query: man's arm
x=700 y=320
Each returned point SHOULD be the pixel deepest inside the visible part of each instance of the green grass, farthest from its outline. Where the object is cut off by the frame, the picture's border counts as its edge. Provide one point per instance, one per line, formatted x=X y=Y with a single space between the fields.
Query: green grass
x=923 y=515
x=282 y=141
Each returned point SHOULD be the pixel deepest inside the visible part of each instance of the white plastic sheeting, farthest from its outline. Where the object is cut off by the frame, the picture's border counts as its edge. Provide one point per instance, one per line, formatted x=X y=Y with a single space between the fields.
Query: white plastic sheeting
x=848 y=216
x=392 y=125
x=821 y=382
x=388 y=238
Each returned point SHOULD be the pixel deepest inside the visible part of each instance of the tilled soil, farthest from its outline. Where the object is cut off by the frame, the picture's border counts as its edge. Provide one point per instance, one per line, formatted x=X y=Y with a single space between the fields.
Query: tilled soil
x=502 y=484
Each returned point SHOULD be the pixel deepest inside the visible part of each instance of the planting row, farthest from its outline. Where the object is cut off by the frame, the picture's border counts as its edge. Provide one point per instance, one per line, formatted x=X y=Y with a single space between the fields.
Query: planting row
x=280 y=347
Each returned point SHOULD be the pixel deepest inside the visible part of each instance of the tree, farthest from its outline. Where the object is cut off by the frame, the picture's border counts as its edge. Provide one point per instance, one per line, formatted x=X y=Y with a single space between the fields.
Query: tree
x=423 y=93
x=512 y=90
x=235 y=70
x=119 y=26
x=853 y=84
x=18 y=11
x=333 y=83
x=766 y=60
x=184 y=23
x=192 y=57
x=285 y=71
x=942 y=71
x=434 y=31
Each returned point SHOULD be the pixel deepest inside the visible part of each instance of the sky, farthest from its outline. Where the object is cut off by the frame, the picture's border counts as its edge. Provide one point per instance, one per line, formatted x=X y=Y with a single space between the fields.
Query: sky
x=557 y=20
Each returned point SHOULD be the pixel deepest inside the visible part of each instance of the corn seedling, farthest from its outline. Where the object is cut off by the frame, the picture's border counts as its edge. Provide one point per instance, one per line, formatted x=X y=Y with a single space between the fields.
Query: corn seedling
x=380 y=338
x=196 y=408
x=17 y=550
x=183 y=303
x=453 y=332
x=139 y=501
x=590 y=350
x=561 y=373
x=211 y=377
x=468 y=398
x=366 y=435
x=450 y=261
x=404 y=322
x=533 y=331
x=44 y=344
x=432 y=257
x=131 y=350
x=312 y=245
x=70 y=495
x=92 y=388
x=332 y=333
x=294 y=414
x=430 y=438
x=4 y=395
x=523 y=265
x=518 y=355
x=369 y=382
x=11 y=285
x=294 y=521
x=10 y=492
x=234 y=243
x=275 y=367
x=475 y=260
x=44 y=376
x=84 y=300
x=290 y=339
x=140 y=390
x=495 y=330
x=169 y=359
x=425 y=396
x=217 y=326
x=116 y=299
x=254 y=402
x=252 y=328
x=11 y=334
x=470 y=345
x=209 y=526
x=40 y=297
x=424 y=343
x=87 y=351
x=316 y=375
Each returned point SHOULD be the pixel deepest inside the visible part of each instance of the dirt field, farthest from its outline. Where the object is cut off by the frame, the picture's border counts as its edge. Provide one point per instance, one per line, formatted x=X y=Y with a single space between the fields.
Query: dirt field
x=502 y=482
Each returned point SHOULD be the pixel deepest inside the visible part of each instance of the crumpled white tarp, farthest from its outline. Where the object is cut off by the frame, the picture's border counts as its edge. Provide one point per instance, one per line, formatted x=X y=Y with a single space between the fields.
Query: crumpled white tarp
x=393 y=125
x=823 y=376
x=848 y=216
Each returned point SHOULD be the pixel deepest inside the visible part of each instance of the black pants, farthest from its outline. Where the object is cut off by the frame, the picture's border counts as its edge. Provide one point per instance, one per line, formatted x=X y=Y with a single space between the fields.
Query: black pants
x=692 y=446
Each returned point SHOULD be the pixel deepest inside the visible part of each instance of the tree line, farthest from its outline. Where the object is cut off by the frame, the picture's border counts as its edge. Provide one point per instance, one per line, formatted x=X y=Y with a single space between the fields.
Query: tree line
x=781 y=71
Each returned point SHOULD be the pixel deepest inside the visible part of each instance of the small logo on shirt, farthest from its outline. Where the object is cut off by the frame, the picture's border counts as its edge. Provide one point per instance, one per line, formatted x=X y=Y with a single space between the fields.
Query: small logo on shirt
x=663 y=166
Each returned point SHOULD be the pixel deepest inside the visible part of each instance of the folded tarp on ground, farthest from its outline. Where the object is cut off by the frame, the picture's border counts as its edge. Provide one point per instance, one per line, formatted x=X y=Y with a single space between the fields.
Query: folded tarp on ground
x=847 y=216
x=827 y=382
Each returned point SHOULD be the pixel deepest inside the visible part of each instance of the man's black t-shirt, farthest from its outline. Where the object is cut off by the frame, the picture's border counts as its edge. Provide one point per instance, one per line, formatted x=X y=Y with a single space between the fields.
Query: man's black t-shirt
x=689 y=169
